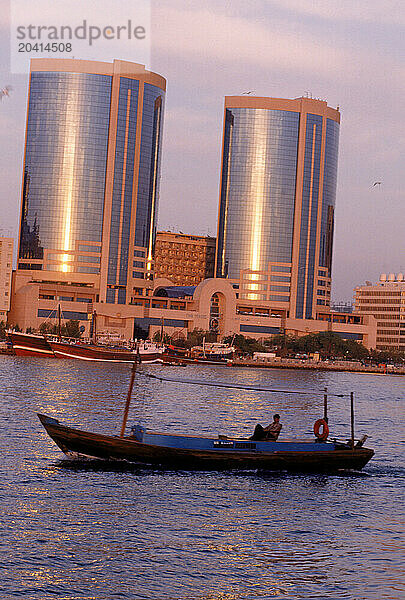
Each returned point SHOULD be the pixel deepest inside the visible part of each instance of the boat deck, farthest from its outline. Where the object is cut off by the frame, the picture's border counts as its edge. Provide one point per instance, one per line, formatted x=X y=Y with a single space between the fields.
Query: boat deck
x=198 y=442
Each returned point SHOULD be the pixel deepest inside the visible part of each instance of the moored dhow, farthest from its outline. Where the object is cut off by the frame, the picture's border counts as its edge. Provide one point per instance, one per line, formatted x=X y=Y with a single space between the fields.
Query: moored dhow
x=215 y=353
x=143 y=352
x=30 y=344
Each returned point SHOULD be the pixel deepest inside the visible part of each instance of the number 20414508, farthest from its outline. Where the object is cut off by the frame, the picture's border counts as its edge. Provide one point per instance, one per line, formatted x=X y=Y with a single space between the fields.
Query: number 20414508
x=49 y=47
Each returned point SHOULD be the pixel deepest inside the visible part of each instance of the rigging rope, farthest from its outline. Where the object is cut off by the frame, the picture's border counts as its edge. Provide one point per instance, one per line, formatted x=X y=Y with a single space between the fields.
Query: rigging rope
x=235 y=386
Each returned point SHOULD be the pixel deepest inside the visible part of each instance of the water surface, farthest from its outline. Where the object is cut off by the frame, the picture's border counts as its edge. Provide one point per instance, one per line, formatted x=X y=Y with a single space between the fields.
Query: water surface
x=94 y=530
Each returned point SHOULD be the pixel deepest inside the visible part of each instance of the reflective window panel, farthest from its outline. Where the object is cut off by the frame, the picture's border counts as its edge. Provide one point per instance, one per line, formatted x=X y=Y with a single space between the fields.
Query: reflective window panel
x=258 y=189
x=65 y=161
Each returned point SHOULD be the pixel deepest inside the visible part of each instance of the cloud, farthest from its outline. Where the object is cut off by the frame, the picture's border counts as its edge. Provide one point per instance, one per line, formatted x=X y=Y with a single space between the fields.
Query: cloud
x=225 y=38
x=269 y=45
x=363 y=11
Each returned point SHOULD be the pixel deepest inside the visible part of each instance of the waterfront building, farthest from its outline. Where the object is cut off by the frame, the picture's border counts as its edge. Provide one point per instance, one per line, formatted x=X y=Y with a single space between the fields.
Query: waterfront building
x=277 y=201
x=6 y=264
x=89 y=205
x=184 y=259
x=385 y=300
x=211 y=305
x=90 y=182
x=346 y=307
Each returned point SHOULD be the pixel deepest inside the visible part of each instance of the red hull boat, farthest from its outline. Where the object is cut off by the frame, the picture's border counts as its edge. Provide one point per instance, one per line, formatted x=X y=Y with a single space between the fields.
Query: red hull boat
x=29 y=344
x=147 y=354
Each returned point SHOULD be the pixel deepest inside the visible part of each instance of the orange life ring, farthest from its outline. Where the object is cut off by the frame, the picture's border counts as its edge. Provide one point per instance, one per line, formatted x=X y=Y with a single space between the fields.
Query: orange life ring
x=325 y=429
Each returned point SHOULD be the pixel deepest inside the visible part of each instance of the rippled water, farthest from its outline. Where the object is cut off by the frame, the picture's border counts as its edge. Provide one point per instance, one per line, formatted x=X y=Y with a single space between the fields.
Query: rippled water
x=92 y=530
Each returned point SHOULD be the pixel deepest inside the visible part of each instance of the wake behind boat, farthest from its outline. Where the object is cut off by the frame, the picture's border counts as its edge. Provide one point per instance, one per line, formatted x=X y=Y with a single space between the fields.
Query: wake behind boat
x=175 y=451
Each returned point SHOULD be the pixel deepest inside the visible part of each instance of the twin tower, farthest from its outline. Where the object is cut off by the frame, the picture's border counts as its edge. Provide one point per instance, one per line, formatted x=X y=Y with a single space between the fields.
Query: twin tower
x=91 y=186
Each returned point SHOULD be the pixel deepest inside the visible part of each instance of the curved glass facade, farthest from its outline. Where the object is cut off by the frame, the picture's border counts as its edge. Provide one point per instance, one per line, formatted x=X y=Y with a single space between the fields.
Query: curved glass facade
x=277 y=200
x=91 y=172
x=257 y=189
x=316 y=202
x=309 y=215
x=121 y=205
x=149 y=166
x=122 y=218
x=65 y=162
x=329 y=194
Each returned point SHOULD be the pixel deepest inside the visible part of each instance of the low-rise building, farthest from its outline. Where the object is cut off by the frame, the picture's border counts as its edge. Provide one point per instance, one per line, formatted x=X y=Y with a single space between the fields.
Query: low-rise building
x=346 y=307
x=213 y=305
x=6 y=262
x=385 y=300
x=184 y=259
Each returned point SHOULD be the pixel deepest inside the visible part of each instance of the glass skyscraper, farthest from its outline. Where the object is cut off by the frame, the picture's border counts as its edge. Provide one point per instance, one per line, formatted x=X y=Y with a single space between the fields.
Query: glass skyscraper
x=276 y=212
x=91 y=173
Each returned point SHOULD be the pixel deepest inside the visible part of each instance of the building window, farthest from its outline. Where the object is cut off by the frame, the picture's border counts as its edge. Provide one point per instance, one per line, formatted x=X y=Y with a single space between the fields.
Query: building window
x=280 y=278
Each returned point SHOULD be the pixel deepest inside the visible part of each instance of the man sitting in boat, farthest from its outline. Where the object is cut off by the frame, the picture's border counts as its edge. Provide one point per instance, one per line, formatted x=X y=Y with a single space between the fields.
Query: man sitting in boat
x=269 y=433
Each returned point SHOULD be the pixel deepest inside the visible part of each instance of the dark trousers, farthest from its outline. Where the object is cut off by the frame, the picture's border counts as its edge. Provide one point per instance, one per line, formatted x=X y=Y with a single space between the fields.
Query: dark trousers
x=260 y=434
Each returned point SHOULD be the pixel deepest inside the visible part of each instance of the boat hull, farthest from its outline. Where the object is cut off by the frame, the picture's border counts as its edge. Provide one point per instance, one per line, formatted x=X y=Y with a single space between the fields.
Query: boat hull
x=26 y=344
x=173 y=354
x=105 y=447
x=195 y=361
x=101 y=354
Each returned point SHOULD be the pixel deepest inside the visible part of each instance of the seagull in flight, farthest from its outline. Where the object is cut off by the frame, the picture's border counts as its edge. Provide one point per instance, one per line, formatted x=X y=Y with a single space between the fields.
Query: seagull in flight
x=5 y=91
x=243 y=93
x=376 y=183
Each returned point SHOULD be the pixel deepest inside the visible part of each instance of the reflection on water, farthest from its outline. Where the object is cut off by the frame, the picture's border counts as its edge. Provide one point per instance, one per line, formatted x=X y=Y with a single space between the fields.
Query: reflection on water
x=81 y=530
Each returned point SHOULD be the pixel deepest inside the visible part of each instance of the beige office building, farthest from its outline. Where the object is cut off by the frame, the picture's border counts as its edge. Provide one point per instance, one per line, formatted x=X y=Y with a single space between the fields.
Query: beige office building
x=385 y=300
x=184 y=259
x=6 y=263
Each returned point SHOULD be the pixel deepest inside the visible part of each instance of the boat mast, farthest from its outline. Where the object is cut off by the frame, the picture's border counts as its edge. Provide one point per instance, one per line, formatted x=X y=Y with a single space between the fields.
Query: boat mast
x=352 y=419
x=325 y=405
x=128 y=402
x=59 y=323
x=94 y=327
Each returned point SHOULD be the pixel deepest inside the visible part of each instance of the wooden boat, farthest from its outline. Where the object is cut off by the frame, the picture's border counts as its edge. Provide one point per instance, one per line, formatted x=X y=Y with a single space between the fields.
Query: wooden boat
x=198 y=452
x=201 y=452
x=147 y=353
x=29 y=344
x=214 y=353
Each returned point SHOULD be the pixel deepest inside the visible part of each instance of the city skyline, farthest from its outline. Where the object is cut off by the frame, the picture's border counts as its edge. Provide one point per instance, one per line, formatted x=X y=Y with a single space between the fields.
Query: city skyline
x=347 y=55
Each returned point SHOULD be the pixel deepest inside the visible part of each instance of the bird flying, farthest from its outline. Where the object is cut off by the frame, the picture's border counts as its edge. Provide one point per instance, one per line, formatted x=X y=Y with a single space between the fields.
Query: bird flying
x=5 y=91
x=376 y=183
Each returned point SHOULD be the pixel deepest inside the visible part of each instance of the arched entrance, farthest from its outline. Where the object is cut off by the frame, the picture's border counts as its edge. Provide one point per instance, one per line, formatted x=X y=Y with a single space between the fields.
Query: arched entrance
x=217 y=313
